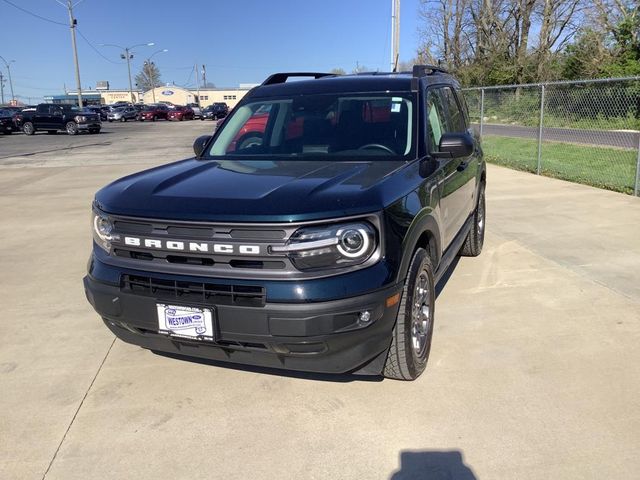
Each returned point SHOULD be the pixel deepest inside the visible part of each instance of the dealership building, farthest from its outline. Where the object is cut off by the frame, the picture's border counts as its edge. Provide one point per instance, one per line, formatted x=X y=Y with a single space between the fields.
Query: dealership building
x=167 y=94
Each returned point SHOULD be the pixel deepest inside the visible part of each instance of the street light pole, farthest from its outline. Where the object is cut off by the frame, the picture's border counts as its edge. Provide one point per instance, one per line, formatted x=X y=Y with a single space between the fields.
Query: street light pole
x=8 y=65
x=1 y=89
x=148 y=64
x=128 y=54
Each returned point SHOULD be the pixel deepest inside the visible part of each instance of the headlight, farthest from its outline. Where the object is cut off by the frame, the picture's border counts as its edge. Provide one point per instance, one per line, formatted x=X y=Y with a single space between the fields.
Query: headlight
x=331 y=246
x=80 y=118
x=103 y=231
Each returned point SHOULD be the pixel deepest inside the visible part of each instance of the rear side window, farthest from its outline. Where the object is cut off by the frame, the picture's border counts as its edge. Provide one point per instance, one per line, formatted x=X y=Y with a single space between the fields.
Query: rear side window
x=457 y=120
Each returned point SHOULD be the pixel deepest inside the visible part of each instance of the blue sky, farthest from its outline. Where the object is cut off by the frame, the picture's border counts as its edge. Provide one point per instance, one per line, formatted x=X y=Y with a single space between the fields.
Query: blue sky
x=240 y=41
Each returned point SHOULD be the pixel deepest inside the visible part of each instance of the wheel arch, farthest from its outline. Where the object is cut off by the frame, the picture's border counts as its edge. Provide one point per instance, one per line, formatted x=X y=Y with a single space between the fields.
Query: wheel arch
x=423 y=232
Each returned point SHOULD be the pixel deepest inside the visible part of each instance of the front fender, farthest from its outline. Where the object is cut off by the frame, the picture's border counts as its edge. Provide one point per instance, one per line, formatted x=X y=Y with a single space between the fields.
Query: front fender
x=424 y=223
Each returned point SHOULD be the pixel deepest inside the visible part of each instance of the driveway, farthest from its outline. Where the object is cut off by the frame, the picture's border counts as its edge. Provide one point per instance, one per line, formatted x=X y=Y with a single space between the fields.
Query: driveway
x=602 y=138
x=533 y=371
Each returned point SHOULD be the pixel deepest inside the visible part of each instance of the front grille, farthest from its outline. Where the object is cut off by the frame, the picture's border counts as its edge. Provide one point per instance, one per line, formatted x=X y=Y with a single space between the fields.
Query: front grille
x=204 y=293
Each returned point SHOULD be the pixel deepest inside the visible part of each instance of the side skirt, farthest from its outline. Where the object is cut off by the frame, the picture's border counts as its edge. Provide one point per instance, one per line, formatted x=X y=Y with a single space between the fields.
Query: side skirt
x=452 y=251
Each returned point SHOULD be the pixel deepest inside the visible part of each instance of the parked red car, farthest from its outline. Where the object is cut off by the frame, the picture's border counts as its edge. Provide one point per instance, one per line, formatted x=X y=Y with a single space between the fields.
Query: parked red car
x=153 y=113
x=180 y=113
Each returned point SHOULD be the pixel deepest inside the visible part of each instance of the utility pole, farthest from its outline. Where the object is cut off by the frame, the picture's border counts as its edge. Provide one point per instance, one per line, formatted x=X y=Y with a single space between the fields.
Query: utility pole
x=72 y=26
x=204 y=75
x=126 y=52
x=197 y=82
x=395 y=34
x=8 y=65
x=1 y=88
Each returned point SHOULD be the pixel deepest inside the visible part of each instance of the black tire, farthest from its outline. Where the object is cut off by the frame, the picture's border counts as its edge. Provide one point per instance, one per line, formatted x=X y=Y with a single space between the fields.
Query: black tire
x=94 y=131
x=52 y=132
x=123 y=119
x=28 y=128
x=249 y=140
x=411 y=337
x=155 y=117
x=475 y=238
x=71 y=128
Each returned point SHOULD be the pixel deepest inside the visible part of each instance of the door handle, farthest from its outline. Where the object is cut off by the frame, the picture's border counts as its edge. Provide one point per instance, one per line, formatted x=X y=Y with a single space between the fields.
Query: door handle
x=462 y=166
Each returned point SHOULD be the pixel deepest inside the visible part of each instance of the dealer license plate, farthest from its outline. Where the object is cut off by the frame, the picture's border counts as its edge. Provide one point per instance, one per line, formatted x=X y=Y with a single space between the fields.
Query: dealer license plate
x=189 y=322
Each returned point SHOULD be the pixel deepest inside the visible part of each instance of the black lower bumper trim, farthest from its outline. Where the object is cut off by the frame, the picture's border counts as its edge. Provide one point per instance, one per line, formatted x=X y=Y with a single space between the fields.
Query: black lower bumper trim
x=321 y=337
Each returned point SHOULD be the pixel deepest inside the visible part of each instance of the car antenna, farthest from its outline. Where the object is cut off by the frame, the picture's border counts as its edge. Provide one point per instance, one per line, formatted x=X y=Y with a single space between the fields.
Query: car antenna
x=395 y=64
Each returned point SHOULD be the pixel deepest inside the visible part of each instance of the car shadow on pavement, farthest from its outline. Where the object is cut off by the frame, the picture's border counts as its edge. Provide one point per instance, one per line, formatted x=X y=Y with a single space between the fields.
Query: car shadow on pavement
x=433 y=465
x=317 y=377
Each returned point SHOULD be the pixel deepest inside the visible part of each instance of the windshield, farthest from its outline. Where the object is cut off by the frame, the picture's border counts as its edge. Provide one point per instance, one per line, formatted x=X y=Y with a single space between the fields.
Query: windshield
x=323 y=125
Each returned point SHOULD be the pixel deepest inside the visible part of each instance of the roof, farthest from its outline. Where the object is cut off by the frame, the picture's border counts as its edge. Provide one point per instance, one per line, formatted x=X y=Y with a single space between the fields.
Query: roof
x=363 y=82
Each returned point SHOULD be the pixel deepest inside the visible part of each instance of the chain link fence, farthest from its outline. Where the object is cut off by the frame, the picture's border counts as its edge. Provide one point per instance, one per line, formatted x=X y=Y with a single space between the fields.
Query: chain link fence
x=586 y=132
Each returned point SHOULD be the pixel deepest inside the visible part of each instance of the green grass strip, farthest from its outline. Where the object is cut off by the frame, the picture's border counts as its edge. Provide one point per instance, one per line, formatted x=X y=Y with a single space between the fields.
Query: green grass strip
x=602 y=167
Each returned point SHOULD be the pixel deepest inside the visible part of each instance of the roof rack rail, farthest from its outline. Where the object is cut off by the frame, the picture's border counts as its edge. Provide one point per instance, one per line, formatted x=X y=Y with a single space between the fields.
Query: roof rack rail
x=424 y=70
x=284 y=76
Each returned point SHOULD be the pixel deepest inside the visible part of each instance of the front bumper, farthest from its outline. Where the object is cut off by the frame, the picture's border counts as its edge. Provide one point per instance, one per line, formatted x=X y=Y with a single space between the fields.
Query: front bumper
x=323 y=337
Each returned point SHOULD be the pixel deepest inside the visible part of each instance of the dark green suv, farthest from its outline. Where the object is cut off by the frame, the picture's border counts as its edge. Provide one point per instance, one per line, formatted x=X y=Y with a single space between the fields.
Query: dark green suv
x=316 y=245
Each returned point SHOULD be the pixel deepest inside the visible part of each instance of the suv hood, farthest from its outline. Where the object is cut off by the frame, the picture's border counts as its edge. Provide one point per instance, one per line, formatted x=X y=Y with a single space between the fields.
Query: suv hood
x=246 y=190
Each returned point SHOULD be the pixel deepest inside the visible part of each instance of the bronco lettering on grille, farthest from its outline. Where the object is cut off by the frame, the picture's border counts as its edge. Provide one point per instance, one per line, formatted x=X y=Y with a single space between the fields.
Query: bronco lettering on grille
x=198 y=247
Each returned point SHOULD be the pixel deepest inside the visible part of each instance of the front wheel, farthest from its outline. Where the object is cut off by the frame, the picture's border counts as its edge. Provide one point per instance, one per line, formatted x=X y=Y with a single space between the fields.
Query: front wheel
x=71 y=128
x=411 y=337
x=28 y=128
x=123 y=119
x=475 y=238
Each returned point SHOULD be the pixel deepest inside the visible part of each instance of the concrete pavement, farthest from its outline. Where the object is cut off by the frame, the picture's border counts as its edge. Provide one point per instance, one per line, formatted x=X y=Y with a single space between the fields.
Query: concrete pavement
x=532 y=373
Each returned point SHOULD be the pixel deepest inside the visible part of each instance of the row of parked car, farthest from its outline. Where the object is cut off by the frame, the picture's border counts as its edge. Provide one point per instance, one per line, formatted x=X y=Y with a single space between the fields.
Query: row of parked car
x=123 y=112
x=55 y=117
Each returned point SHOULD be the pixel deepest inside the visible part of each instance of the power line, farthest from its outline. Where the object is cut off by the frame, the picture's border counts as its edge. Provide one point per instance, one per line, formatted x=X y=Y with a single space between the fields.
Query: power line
x=95 y=49
x=34 y=14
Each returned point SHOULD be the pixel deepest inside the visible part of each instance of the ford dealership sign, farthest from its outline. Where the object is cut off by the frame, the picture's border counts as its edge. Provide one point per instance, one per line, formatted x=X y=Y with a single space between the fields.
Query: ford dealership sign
x=167 y=92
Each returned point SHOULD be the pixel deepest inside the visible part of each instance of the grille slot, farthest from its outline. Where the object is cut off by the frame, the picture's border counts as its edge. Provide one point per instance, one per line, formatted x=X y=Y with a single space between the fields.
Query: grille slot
x=207 y=293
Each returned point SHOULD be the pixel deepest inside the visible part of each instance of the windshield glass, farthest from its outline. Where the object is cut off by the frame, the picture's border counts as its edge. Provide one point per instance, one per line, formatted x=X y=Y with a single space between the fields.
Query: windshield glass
x=328 y=125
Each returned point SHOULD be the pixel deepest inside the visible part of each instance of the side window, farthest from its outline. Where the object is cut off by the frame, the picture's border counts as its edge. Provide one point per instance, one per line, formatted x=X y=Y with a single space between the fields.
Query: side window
x=457 y=120
x=436 y=116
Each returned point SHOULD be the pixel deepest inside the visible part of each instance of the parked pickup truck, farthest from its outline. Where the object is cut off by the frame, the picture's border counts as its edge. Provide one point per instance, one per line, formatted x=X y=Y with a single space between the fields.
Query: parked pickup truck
x=53 y=118
x=315 y=246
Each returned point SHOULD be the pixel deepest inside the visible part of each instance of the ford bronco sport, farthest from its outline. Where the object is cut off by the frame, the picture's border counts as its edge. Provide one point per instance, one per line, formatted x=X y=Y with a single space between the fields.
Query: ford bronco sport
x=315 y=246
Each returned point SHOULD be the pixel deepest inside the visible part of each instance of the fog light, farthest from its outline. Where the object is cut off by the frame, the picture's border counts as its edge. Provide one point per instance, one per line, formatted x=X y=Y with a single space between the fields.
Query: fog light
x=364 y=318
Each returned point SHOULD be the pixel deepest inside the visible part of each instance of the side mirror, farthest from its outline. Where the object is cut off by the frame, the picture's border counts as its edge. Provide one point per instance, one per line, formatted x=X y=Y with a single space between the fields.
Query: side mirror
x=57 y=113
x=455 y=145
x=200 y=143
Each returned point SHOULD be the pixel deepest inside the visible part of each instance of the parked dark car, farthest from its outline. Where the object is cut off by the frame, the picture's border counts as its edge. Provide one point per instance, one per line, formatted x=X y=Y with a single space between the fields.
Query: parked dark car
x=153 y=113
x=52 y=118
x=215 y=111
x=99 y=110
x=180 y=113
x=122 y=114
x=6 y=121
x=316 y=247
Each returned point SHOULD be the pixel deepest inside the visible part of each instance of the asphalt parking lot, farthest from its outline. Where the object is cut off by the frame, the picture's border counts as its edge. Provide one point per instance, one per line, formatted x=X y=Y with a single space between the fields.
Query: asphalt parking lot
x=533 y=371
